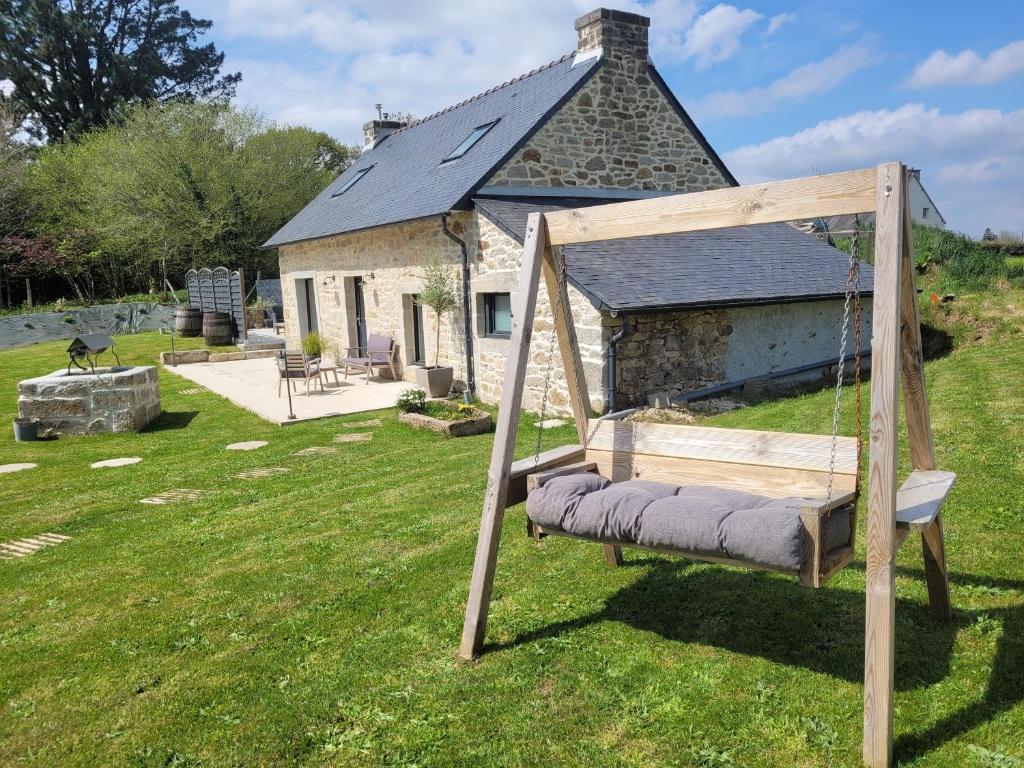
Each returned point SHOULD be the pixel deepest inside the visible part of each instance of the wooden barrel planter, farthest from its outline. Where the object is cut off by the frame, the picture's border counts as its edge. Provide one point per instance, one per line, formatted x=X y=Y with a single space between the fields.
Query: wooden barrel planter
x=188 y=321
x=218 y=328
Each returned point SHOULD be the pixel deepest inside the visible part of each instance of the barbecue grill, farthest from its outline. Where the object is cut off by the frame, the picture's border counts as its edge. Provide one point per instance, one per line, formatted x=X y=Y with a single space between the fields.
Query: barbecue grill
x=87 y=347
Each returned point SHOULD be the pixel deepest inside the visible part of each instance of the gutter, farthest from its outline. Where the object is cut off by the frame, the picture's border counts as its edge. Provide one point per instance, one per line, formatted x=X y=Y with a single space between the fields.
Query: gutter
x=609 y=391
x=467 y=314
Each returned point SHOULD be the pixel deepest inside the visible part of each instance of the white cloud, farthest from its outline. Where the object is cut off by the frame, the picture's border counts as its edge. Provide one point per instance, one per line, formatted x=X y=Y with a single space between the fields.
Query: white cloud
x=777 y=21
x=801 y=83
x=715 y=36
x=971 y=161
x=968 y=68
x=327 y=62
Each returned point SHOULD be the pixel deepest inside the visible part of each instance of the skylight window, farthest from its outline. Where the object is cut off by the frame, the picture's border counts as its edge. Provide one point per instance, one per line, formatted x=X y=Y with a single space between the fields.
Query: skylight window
x=475 y=135
x=355 y=177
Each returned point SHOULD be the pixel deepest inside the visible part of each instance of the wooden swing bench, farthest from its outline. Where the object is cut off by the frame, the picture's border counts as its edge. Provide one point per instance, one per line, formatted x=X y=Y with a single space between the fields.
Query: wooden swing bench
x=816 y=476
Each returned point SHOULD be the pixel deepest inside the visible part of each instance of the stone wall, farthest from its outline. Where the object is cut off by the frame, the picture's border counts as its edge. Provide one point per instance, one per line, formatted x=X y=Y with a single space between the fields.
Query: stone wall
x=496 y=259
x=619 y=130
x=669 y=351
x=389 y=260
x=114 y=400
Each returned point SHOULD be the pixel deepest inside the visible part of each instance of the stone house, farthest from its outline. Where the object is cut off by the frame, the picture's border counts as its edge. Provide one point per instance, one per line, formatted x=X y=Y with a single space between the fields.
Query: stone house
x=675 y=313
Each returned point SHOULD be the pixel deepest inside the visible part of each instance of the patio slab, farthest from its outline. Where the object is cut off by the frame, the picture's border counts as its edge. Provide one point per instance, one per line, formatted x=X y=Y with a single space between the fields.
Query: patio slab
x=252 y=384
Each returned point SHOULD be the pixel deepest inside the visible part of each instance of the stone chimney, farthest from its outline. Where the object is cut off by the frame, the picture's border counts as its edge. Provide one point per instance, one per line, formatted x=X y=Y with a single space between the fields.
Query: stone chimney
x=619 y=35
x=375 y=130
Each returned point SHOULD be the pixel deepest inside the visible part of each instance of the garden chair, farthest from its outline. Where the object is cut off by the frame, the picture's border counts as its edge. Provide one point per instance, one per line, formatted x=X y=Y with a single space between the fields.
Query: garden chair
x=378 y=353
x=292 y=365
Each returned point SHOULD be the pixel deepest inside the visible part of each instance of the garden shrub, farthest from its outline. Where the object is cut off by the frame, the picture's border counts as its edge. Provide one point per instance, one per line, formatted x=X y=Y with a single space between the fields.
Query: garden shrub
x=412 y=401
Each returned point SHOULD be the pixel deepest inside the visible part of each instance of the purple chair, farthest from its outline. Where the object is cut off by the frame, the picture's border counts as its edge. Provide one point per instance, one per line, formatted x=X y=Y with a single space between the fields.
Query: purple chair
x=378 y=353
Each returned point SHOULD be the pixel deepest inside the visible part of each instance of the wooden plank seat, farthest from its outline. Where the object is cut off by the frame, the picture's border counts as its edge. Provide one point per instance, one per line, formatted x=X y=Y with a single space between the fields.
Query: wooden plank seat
x=783 y=480
x=920 y=499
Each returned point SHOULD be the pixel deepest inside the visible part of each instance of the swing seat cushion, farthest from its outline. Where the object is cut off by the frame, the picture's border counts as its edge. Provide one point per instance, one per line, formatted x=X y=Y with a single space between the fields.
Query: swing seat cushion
x=693 y=519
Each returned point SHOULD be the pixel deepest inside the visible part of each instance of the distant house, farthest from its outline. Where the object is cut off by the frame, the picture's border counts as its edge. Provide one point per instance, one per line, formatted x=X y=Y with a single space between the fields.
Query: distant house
x=922 y=211
x=598 y=125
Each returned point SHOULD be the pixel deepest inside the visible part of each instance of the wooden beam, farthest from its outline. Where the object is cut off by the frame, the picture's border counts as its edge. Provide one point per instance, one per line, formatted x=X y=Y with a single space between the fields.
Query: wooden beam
x=568 y=346
x=919 y=427
x=829 y=195
x=880 y=611
x=920 y=498
x=475 y=625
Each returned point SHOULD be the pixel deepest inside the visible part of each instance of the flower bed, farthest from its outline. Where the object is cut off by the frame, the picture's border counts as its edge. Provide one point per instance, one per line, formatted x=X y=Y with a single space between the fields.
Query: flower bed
x=442 y=416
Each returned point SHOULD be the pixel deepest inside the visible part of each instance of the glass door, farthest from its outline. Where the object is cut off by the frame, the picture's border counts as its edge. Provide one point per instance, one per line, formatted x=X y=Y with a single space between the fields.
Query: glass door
x=357 y=284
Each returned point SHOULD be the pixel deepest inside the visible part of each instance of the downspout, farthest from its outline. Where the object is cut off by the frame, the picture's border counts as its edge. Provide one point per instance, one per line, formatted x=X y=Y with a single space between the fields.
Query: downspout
x=609 y=392
x=467 y=313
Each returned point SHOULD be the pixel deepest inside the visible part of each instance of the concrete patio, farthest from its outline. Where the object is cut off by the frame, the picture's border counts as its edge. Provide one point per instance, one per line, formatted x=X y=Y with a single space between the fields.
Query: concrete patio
x=252 y=384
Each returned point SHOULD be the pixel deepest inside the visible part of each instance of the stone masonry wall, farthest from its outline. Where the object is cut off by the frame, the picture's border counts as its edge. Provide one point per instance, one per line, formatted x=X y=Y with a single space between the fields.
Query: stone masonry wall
x=669 y=351
x=390 y=261
x=619 y=130
x=496 y=259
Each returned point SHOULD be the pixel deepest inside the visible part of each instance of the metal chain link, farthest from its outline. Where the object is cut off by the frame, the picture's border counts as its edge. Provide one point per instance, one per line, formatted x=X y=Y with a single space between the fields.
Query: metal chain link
x=852 y=288
x=556 y=306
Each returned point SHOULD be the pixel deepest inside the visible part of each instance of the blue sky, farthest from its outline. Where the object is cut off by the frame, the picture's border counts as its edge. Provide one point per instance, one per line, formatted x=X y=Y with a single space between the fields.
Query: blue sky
x=780 y=89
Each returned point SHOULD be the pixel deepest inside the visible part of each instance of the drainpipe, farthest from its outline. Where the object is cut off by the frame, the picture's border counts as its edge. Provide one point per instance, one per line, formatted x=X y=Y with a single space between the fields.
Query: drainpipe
x=609 y=392
x=467 y=314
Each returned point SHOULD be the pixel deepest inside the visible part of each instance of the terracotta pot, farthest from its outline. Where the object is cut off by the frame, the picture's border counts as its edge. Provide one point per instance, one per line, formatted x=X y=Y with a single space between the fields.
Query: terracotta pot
x=437 y=380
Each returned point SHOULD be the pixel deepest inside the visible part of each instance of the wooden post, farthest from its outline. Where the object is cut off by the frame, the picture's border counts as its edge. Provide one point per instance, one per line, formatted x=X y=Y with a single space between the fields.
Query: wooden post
x=880 y=611
x=475 y=625
x=919 y=427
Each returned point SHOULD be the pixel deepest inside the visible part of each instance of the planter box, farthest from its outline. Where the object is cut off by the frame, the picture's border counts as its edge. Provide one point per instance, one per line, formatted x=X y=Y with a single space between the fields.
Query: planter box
x=461 y=428
x=436 y=380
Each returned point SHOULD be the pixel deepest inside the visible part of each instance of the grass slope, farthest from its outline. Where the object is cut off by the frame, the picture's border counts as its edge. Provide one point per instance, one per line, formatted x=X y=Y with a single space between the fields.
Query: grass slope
x=311 y=618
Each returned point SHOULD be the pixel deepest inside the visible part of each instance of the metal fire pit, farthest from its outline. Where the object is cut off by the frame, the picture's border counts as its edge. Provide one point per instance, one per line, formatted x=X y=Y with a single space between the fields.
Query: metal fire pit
x=87 y=347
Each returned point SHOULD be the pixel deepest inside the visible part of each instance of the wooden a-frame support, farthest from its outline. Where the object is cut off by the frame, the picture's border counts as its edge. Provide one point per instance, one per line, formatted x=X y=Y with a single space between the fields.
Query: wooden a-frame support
x=896 y=355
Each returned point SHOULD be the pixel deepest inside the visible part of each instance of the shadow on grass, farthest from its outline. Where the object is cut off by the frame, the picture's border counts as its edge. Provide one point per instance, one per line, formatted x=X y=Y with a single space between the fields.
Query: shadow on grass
x=755 y=614
x=171 y=420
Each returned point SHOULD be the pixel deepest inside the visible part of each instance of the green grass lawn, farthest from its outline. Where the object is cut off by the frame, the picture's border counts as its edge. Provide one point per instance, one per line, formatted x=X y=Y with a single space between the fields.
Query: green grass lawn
x=312 y=617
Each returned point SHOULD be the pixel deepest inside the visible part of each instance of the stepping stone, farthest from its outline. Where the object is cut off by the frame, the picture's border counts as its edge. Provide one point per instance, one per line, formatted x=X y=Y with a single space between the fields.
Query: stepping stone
x=193 y=391
x=361 y=424
x=315 y=449
x=549 y=423
x=22 y=547
x=254 y=474
x=172 y=496
x=6 y=469
x=123 y=462
x=248 y=445
x=355 y=437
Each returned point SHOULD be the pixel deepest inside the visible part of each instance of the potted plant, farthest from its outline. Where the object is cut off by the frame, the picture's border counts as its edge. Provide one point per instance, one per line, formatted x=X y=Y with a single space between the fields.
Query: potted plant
x=256 y=312
x=314 y=345
x=440 y=295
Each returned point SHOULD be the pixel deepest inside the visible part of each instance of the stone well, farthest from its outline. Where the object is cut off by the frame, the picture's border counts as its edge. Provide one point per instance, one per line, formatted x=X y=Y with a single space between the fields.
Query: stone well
x=122 y=399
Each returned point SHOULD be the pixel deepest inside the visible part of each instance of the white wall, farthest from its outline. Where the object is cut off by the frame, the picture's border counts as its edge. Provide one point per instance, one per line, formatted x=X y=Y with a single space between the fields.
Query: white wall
x=780 y=336
x=922 y=210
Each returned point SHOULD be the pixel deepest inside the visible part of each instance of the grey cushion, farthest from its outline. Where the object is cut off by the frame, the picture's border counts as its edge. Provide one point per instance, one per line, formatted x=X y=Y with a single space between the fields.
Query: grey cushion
x=697 y=519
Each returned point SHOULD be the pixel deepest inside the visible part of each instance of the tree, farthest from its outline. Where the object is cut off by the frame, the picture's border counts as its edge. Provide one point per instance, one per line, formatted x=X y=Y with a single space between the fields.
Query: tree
x=75 y=63
x=174 y=186
x=988 y=235
x=439 y=293
x=14 y=156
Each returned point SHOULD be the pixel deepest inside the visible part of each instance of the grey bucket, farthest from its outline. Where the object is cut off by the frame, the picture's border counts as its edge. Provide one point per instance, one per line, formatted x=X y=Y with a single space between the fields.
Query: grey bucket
x=26 y=430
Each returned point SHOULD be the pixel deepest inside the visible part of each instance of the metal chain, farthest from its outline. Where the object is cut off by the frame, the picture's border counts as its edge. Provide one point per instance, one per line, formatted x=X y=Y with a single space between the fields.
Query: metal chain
x=556 y=306
x=852 y=288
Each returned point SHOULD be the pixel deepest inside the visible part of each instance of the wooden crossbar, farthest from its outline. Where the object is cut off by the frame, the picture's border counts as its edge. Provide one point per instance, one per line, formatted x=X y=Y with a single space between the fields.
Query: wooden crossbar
x=834 y=194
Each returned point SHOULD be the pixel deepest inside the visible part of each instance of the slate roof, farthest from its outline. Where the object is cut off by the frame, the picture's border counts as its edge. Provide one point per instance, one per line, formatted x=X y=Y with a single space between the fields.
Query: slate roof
x=406 y=179
x=740 y=266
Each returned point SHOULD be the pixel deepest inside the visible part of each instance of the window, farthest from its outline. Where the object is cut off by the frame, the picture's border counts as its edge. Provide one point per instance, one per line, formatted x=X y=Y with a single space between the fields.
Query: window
x=355 y=177
x=475 y=136
x=498 y=315
x=924 y=213
x=419 y=347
